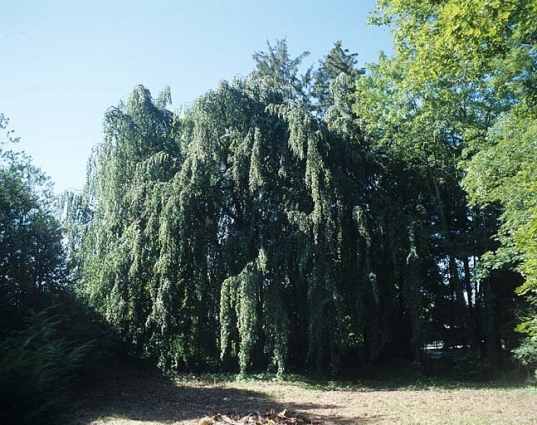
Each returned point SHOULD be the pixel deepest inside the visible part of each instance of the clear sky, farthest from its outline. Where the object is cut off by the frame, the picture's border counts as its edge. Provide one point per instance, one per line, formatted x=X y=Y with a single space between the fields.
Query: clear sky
x=65 y=62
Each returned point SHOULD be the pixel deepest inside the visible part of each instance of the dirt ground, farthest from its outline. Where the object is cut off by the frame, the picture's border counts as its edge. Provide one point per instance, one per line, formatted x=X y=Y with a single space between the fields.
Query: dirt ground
x=138 y=397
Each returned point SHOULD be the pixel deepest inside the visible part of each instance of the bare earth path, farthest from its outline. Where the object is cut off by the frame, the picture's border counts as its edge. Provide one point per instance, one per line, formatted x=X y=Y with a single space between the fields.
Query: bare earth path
x=142 y=398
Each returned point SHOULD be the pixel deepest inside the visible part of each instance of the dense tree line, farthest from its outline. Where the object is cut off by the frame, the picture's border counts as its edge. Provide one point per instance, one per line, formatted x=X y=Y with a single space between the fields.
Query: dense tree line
x=325 y=219
x=316 y=220
x=479 y=58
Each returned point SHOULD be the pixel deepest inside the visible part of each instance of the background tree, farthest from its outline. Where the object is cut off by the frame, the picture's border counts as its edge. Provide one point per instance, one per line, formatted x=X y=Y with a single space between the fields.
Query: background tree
x=338 y=63
x=490 y=45
x=37 y=356
x=31 y=254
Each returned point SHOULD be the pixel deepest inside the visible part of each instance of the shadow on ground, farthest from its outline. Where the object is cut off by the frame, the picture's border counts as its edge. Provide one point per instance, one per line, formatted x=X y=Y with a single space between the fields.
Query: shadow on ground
x=146 y=396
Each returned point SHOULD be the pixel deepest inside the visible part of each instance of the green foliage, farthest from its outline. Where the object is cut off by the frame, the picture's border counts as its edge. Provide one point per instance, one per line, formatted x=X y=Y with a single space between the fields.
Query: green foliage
x=252 y=227
x=468 y=364
x=279 y=71
x=336 y=77
x=453 y=39
x=526 y=353
x=416 y=139
x=111 y=223
x=36 y=369
x=291 y=219
x=469 y=69
x=503 y=171
x=31 y=255
x=8 y=134
x=38 y=352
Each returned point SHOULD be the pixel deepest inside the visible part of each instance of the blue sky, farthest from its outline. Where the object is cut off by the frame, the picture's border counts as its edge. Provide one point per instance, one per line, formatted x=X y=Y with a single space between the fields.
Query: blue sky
x=65 y=62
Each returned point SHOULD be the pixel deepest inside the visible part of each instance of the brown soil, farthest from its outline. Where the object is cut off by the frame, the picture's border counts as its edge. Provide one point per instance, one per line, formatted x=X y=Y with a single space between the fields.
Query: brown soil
x=115 y=397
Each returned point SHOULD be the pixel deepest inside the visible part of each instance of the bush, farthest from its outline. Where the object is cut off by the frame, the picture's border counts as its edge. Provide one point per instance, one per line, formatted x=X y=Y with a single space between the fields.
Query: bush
x=468 y=364
x=526 y=354
x=35 y=371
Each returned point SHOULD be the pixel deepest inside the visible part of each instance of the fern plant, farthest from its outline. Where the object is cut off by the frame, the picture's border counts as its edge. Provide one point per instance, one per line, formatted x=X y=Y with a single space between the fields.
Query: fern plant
x=35 y=371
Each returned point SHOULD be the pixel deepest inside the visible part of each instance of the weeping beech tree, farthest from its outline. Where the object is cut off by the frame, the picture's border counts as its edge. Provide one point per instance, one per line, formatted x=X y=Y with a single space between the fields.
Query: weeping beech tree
x=113 y=225
x=260 y=229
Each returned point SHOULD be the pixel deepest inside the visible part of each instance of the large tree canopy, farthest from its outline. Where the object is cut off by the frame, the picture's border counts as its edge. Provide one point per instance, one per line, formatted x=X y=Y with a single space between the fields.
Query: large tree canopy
x=257 y=227
x=317 y=220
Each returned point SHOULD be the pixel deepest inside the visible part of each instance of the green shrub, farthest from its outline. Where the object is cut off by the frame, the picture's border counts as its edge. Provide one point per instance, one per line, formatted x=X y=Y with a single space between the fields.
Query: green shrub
x=35 y=371
x=526 y=354
x=467 y=364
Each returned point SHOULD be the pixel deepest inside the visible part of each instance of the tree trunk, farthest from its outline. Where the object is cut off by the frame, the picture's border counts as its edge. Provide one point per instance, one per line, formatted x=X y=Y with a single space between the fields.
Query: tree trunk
x=455 y=281
x=493 y=348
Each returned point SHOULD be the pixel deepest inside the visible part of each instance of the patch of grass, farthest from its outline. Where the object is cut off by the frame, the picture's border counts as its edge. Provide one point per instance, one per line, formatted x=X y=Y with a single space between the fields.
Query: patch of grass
x=400 y=382
x=407 y=379
x=129 y=397
x=407 y=383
